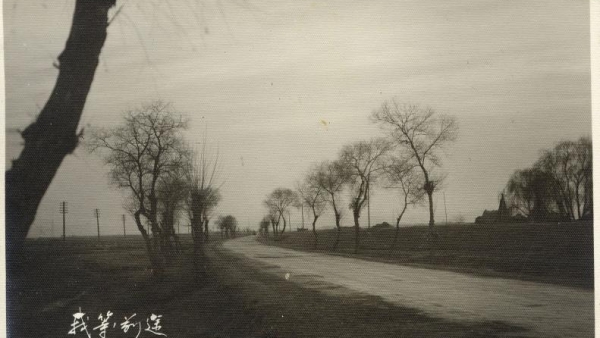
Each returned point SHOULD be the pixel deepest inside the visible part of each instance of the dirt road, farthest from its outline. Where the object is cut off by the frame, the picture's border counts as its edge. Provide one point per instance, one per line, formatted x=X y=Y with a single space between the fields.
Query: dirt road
x=546 y=310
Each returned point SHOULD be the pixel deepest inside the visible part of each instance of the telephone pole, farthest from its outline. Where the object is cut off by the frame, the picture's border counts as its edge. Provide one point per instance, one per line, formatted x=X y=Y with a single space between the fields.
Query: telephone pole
x=369 y=205
x=124 y=232
x=64 y=210
x=97 y=214
x=302 y=215
x=445 y=210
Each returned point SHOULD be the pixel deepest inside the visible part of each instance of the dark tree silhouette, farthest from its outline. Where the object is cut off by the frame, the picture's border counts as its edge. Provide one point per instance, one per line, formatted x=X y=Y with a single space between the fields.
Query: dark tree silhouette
x=203 y=199
x=278 y=203
x=172 y=193
x=146 y=149
x=312 y=194
x=54 y=133
x=531 y=193
x=264 y=226
x=424 y=133
x=275 y=219
x=400 y=174
x=228 y=225
x=570 y=165
x=332 y=177
x=363 y=162
x=559 y=186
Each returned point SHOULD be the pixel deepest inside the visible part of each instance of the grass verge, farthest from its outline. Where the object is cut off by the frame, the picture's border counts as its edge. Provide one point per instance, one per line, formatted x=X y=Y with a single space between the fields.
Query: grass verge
x=549 y=253
x=238 y=301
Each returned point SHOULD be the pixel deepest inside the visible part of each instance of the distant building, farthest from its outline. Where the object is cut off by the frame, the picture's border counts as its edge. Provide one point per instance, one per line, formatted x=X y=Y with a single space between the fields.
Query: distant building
x=500 y=215
x=503 y=214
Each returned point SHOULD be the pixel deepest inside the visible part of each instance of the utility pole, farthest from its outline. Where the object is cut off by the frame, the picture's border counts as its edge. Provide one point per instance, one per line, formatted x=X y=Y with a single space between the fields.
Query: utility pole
x=302 y=215
x=124 y=233
x=64 y=210
x=369 y=204
x=445 y=210
x=97 y=214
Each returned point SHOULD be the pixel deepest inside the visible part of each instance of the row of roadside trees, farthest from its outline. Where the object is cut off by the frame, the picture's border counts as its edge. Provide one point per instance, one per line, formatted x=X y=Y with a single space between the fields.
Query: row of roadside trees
x=407 y=158
x=164 y=177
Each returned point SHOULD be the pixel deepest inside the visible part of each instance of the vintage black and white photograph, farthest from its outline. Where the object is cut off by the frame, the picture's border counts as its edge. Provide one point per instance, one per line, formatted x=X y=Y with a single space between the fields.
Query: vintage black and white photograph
x=252 y=168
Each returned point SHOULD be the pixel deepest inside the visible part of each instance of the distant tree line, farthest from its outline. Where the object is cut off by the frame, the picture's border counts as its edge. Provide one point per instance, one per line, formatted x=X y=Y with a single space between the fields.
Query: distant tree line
x=558 y=187
x=227 y=225
x=407 y=159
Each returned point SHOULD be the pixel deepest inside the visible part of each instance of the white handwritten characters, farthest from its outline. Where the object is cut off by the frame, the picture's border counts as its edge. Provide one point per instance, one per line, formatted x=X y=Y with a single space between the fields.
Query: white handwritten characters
x=156 y=327
x=79 y=323
x=104 y=324
x=127 y=324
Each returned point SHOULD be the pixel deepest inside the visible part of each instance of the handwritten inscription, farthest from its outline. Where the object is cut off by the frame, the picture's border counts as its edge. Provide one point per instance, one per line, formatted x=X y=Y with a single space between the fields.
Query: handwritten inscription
x=151 y=325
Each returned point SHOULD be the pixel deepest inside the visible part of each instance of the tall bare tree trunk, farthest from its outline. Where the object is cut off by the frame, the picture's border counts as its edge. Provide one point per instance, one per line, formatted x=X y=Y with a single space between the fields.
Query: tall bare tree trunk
x=429 y=190
x=155 y=259
x=337 y=237
x=284 y=225
x=198 y=240
x=337 y=225
x=206 y=234
x=398 y=224
x=53 y=135
x=314 y=228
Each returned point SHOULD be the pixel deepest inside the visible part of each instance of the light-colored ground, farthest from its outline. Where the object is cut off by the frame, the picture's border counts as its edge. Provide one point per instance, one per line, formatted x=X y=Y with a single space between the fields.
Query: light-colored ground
x=546 y=310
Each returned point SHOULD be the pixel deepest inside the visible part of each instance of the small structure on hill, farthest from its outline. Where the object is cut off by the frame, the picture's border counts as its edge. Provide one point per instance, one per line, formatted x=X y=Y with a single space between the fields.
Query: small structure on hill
x=382 y=225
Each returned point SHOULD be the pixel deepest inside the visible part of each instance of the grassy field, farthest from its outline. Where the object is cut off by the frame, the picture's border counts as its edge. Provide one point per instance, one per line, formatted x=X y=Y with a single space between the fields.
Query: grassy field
x=238 y=301
x=550 y=253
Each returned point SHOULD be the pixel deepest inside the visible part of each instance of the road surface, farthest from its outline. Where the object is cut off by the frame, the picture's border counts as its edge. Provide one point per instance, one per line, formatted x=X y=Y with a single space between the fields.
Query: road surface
x=546 y=310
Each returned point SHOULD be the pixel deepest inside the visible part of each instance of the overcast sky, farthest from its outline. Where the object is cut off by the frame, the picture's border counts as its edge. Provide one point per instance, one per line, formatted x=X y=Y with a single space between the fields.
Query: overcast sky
x=261 y=77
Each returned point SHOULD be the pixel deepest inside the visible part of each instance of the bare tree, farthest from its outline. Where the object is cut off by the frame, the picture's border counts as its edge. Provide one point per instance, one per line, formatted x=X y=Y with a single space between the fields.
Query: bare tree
x=570 y=164
x=274 y=218
x=264 y=226
x=363 y=162
x=147 y=147
x=400 y=174
x=424 y=133
x=279 y=201
x=53 y=135
x=214 y=197
x=332 y=178
x=228 y=224
x=558 y=186
x=172 y=193
x=203 y=198
x=531 y=192
x=312 y=194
